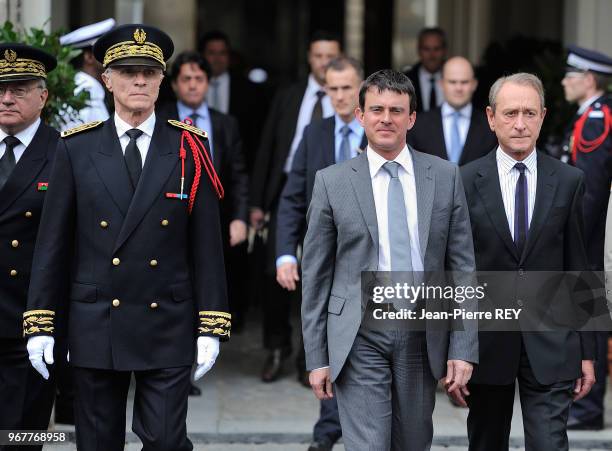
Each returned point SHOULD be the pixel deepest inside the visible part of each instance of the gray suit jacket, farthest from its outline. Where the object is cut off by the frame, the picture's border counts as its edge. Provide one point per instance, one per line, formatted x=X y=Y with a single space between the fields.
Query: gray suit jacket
x=342 y=241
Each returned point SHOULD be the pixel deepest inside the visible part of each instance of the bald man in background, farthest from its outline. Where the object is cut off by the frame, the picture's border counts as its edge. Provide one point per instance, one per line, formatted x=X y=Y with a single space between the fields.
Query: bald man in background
x=456 y=131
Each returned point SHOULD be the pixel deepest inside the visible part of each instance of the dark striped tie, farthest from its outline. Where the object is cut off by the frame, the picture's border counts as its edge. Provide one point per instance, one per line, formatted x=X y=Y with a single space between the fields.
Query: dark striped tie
x=521 y=224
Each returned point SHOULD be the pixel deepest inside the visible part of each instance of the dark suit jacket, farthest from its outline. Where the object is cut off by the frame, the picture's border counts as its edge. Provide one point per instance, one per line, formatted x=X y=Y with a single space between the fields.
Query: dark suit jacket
x=554 y=243
x=317 y=150
x=248 y=103
x=427 y=135
x=268 y=174
x=228 y=160
x=146 y=276
x=21 y=204
x=413 y=75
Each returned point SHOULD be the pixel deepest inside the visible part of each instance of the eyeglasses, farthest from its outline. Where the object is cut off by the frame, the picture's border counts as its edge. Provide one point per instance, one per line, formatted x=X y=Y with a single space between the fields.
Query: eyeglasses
x=18 y=93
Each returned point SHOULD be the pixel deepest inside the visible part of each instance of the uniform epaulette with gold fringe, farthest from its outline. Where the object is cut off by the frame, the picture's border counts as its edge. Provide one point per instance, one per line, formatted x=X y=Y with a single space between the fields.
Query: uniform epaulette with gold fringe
x=80 y=128
x=189 y=128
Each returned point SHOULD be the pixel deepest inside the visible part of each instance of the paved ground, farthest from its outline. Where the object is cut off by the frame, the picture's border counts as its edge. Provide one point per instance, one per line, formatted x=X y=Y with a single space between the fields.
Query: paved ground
x=237 y=412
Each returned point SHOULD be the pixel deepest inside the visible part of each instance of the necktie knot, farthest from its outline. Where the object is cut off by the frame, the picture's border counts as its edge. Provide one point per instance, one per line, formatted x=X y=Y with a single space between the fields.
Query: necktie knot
x=456 y=115
x=345 y=130
x=11 y=142
x=134 y=133
x=320 y=95
x=392 y=167
x=521 y=167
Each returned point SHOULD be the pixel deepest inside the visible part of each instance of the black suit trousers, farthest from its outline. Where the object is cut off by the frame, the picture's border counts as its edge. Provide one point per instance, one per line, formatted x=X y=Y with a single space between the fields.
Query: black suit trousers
x=160 y=408
x=545 y=412
x=26 y=399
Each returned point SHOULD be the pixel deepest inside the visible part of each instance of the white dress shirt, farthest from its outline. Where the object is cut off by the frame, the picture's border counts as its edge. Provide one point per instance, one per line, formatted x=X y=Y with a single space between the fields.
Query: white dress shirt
x=308 y=103
x=465 y=115
x=218 y=96
x=425 y=83
x=143 y=142
x=380 y=187
x=508 y=176
x=25 y=136
x=590 y=101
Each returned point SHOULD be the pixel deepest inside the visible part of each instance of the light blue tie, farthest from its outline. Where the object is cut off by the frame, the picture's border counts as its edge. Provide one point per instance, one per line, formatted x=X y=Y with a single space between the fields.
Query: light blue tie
x=399 y=234
x=345 y=144
x=456 y=144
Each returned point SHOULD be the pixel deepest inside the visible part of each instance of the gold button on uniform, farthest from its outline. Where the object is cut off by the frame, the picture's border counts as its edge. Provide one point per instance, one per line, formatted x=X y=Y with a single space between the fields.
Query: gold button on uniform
x=116 y=302
x=164 y=222
x=116 y=261
x=28 y=214
x=103 y=224
x=15 y=243
x=13 y=272
x=154 y=305
x=153 y=263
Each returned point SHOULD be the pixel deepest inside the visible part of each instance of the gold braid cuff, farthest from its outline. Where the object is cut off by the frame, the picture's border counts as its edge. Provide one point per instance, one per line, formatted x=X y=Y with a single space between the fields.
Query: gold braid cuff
x=130 y=49
x=38 y=322
x=217 y=324
x=22 y=66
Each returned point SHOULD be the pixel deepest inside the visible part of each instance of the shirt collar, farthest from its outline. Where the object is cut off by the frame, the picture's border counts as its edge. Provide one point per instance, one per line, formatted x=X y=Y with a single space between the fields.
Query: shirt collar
x=185 y=111
x=26 y=135
x=313 y=86
x=426 y=74
x=221 y=78
x=590 y=101
x=354 y=125
x=465 y=112
x=147 y=126
x=376 y=161
x=507 y=162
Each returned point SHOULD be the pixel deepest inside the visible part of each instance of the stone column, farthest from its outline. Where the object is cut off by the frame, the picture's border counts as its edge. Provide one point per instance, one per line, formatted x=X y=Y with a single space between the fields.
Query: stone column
x=353 y=28
x=587 y=23
x=179 y=20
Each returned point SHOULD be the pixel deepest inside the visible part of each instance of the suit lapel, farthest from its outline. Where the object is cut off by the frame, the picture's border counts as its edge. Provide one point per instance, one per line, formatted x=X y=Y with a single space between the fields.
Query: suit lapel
x=425 y=190
x=110 y=165
x=28 y=167
x=545 y=194
x=162 y=157
x=328 y=142
x=438 y=136
x=362 y=184
x=488 y=187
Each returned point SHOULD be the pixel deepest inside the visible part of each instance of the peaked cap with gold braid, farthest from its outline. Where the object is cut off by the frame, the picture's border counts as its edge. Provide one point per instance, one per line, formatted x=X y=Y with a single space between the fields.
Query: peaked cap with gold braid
x=24 y=62
x=134 y=45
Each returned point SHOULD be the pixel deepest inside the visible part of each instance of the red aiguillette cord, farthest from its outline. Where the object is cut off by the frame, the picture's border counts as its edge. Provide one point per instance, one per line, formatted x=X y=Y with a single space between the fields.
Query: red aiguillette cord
x=583 y=145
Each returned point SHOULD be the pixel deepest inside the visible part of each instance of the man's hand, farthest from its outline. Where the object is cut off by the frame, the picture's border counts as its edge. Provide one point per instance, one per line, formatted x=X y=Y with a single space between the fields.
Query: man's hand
x=208 y=350
x=583 y=384
x=39 y=347
x=458 y=374
x=287 y=275
x=321 y=383
x=237 y=232
x=257 y=218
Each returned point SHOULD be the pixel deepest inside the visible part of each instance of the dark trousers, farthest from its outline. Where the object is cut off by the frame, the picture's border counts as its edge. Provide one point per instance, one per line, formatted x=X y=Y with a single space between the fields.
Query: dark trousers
x=236 y=274
x=591 y=407
x=545 y=412
x=26 y=399
x=160 y=409
x=327 y=428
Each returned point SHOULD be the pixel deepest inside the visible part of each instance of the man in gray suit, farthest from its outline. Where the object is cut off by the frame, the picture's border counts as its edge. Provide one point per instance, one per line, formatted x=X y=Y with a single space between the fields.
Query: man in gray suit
x=364 y=217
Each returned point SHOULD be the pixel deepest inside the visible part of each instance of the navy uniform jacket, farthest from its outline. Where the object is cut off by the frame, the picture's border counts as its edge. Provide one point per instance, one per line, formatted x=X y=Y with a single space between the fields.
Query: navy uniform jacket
x=597 y=167
x=21 y=203
x=146 y=278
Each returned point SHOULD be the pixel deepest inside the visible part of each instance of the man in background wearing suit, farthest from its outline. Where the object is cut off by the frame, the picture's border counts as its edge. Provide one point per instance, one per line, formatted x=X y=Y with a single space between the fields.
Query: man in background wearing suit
x=426 y=74
x=456 y=131
x=363 y=217
x=189 y=76
x=231 y=92
x=324 y=143
x=292 y=110
x=27 y=148
x=525 y=210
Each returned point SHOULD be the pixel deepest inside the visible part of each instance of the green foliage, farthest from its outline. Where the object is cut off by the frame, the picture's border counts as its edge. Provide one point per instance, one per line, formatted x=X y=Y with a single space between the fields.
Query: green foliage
x=60 y=82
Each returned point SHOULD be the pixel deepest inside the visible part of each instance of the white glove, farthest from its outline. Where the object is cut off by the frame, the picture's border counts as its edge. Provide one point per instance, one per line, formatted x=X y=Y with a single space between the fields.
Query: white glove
x=208 y=350
x=38 y=347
